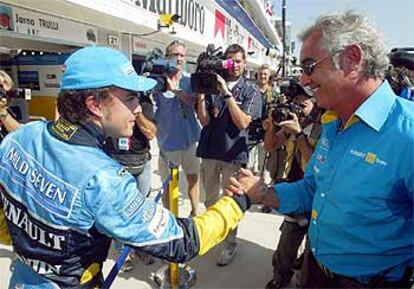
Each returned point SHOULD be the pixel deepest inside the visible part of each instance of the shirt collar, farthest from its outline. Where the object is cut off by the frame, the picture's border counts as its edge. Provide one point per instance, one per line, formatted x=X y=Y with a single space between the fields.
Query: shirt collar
x=375 y=109
x=79 y=133
x=240 y=83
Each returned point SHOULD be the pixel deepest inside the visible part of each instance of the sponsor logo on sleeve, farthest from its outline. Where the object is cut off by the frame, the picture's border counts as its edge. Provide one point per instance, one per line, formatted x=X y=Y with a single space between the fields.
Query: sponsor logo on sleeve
x=130 y=210
x=159 y=222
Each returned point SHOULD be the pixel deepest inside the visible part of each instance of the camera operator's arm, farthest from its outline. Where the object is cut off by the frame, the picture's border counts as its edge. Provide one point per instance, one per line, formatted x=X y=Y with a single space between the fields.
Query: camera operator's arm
x=240 y=118
x=6 y=119
x=202 y=113
x=293 y=127
x=272 y=138
x=144 y=118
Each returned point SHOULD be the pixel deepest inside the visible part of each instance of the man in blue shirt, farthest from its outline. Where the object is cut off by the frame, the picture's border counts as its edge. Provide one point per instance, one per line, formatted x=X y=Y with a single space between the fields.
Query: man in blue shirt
x=178 y=128
x=359 y=183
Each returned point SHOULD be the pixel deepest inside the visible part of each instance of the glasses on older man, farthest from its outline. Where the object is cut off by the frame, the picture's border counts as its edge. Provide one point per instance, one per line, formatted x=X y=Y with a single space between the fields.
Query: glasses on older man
x=308 y=68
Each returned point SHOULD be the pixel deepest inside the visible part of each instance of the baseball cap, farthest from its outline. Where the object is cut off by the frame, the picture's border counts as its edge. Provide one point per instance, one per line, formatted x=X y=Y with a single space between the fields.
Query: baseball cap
x=98 y=67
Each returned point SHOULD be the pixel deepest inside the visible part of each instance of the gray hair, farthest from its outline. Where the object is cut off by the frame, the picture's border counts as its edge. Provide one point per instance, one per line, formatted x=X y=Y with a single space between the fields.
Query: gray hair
x=175 y=42
x=349 y=28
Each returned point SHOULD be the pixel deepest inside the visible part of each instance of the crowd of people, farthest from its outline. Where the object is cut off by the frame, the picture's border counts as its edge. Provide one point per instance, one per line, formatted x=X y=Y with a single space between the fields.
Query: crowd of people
x=338 y=166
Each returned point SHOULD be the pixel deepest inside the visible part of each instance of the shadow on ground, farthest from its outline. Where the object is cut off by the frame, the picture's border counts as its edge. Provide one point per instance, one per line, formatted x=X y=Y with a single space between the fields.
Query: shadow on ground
x=251 y=266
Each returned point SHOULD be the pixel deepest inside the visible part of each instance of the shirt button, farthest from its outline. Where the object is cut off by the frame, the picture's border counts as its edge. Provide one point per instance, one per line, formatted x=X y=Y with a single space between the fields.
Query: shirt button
x=313 y=250
x=314 y=222
x=322 y=195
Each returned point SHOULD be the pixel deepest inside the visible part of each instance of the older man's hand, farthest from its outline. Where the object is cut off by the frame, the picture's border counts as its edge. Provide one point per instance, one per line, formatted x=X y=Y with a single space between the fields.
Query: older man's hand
x=253 y=186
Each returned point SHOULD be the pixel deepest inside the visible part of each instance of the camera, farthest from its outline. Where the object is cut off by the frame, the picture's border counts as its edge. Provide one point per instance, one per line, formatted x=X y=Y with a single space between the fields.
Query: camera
x=210 y=63
x=156 y=64
x=283 y=111
x=18 y=93
x=290 y=88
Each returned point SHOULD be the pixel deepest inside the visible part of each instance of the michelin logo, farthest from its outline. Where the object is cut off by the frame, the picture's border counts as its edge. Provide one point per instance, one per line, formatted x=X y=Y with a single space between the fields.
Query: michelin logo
x=46 y=189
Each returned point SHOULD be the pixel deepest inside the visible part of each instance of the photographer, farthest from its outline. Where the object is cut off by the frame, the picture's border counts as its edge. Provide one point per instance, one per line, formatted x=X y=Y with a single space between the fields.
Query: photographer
x=178 y=128
x=401 y=73
x=223 y=141
x=299 y=134
x=134 y=154
x=8 y=122
x=269 y=97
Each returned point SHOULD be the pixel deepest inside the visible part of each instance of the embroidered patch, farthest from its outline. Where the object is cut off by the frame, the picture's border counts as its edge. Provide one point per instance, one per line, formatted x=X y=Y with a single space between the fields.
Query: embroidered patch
x=148 y=212
x=370 y=158
x=122 y=172
x=133 y=206
x=159 y=222
x=314 y=214
x=321 y=158
x=127 y=69
x=325 y=144
x=124 y=143
x=64 y=129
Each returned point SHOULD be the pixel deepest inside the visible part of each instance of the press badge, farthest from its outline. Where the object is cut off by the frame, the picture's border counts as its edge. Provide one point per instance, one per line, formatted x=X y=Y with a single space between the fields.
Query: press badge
x=123 y=144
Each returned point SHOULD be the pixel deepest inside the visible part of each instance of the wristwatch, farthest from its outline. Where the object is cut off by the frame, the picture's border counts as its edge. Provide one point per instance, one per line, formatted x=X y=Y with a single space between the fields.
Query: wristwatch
x=3 y=115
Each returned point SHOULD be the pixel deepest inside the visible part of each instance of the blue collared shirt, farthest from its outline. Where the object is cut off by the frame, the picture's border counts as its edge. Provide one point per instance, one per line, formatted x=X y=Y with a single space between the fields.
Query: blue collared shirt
x=359 y=186
x=177 y=125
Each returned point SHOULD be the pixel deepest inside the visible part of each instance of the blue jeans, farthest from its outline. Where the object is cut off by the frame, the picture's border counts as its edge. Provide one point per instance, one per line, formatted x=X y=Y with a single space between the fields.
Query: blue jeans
x=144 y=186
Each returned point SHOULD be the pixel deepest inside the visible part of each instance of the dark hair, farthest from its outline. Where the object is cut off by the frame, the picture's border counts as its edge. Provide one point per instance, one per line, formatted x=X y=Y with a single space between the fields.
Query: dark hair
x=400 y=77
x=71 y=103
x=233 y=49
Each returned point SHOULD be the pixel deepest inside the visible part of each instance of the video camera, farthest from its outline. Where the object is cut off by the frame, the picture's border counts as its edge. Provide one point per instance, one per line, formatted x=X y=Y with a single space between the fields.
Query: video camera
x=156 y=64
x=209 y=64
x=18 y=93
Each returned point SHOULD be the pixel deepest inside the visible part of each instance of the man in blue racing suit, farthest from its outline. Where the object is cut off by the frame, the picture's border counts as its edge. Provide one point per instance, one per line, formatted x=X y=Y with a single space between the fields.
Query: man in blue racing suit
x=63 y=198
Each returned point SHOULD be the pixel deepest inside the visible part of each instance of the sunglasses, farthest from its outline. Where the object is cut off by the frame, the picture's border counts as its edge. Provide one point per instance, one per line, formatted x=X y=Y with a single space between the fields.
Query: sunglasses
x=310 y=67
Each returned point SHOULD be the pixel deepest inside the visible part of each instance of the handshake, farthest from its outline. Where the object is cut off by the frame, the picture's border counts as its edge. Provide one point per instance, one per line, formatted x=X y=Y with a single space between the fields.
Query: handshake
x=254 y=187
